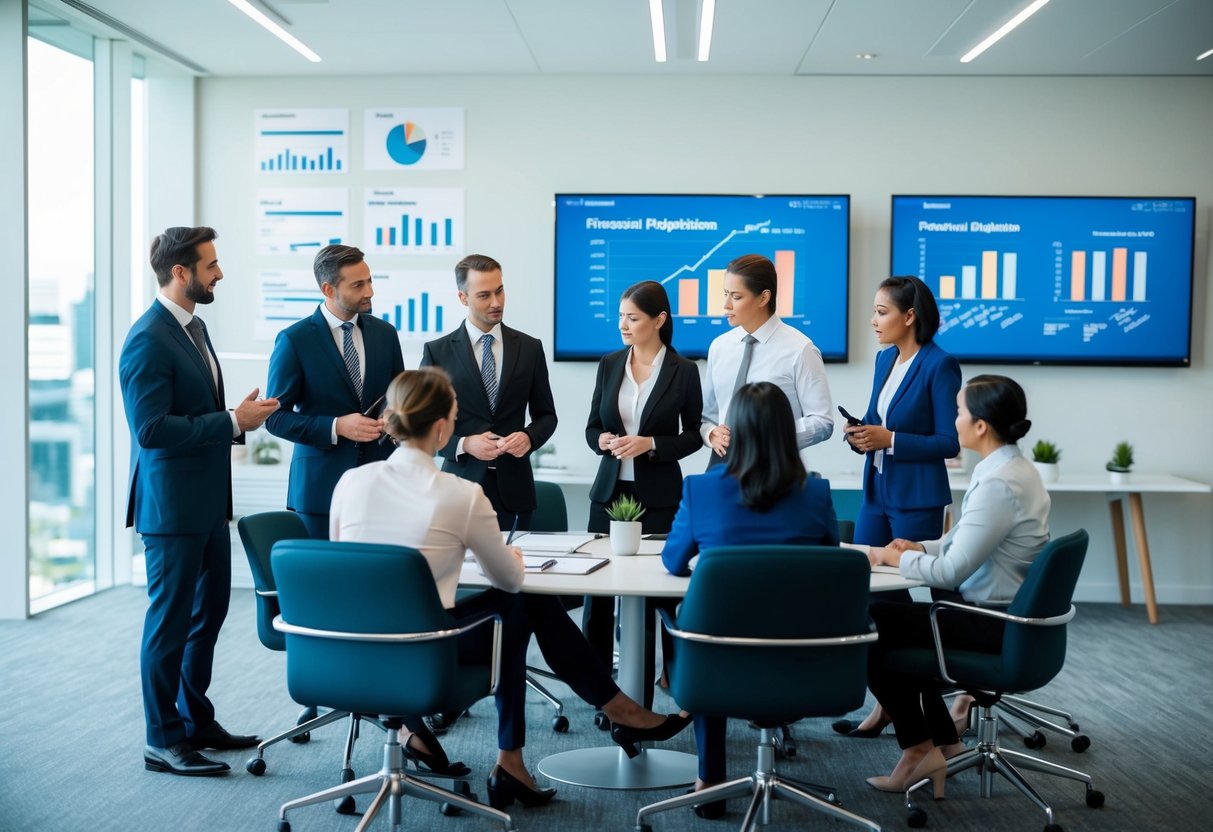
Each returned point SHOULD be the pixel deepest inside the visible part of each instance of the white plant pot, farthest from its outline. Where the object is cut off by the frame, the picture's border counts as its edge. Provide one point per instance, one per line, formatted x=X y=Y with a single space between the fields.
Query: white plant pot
x=625 y=537
x=1120 y=477
x=1049 y=471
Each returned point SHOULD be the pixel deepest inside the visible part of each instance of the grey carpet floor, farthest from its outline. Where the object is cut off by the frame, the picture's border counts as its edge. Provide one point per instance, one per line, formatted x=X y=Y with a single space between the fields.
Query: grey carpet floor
x=71 y=736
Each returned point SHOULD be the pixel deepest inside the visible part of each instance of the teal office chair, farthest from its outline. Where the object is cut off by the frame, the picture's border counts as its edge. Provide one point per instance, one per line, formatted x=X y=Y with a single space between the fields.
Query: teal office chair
x=1033 y=652
x=791 y=648
x=366 y=633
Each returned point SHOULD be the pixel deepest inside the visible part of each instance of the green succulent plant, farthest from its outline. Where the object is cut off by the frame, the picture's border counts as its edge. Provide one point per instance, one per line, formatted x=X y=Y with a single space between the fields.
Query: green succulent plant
x=1046 y=452
x=625 y=509
x=1122 y=458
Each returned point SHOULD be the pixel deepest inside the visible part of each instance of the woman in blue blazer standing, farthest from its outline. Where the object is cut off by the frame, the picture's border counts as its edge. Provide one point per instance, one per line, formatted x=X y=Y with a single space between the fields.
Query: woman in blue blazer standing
x=644 y=418
x=907 y=433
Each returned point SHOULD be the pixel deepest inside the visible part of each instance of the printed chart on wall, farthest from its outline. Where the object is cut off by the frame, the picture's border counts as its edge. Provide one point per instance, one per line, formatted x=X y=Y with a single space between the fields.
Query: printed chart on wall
x=301 y=220
x=302 y=141
x=421 y=304
x=1055 y=279
x=413 y=220
x=283 y=297
x=413 y=138
x=605 y=243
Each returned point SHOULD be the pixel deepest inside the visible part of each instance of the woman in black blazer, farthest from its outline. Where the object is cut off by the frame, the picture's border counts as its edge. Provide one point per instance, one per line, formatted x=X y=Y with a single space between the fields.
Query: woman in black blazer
x=645 y=416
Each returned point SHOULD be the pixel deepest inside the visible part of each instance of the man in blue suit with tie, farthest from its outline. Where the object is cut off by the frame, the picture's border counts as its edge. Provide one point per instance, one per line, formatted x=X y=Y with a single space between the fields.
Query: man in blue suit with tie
x=330 y=372
x=181 y=499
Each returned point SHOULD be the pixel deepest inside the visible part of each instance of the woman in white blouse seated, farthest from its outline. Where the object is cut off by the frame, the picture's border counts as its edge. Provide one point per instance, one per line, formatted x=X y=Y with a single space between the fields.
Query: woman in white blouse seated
x=1003 y=526
x=407 y=501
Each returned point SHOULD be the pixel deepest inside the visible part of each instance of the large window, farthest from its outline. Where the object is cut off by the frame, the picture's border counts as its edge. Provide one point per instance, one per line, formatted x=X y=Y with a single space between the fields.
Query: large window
x=62 y=510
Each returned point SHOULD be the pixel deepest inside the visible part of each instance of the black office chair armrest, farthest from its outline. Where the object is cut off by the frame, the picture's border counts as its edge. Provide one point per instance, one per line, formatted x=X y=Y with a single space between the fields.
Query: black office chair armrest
x=936 y=607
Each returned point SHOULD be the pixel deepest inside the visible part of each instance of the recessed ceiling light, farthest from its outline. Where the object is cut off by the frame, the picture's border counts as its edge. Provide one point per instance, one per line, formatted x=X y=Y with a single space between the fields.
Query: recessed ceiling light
x=274 y=29
x=866 y=56
x=657 y=19
x=1204 y=55
x=1003 y=30
x=707 y=16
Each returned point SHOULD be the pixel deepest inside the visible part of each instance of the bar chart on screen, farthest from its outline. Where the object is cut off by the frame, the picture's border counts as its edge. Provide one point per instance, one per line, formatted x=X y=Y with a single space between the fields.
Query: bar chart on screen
x=413 y=220
x=421 y=304
x=301 y=221
x=302 y=141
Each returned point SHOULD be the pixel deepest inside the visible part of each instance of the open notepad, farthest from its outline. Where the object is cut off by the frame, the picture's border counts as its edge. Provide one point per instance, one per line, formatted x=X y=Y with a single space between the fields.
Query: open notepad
x=560 y=542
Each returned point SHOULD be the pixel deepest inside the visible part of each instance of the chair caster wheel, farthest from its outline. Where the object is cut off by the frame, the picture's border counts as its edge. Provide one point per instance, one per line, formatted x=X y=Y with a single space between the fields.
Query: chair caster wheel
x=560 y=724
x=1035 y=740
x=284 y=826
x=300 y=739
x=255 y=766
x=1074 y=726
x=1080 y=743
x=601 y=721
x=916 y=819
x=1053 y=827
x=345 y=805
x=449 y=810
x=1095 y=798
x=643 y=827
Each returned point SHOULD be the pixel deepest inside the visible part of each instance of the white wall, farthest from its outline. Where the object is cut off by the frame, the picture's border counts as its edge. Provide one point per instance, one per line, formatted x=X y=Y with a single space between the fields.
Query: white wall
x=531 y=137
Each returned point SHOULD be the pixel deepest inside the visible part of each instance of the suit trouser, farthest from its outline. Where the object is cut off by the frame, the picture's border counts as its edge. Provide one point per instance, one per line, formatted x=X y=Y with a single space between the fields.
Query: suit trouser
x=879 y=523
x=189 y=582
x=506 y=519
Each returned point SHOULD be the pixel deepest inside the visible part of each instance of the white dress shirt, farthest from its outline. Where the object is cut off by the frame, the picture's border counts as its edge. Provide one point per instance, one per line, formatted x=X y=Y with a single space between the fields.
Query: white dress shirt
x=891 y=385
x=1003 y=525
x=784 y=356
x=406 y=500
x=339 y=339
x=633 y=396
x=498 y=350
x=182 y=317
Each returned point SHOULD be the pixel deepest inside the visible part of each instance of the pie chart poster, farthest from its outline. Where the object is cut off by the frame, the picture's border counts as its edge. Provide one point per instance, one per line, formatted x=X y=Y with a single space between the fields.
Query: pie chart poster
x=414 y=138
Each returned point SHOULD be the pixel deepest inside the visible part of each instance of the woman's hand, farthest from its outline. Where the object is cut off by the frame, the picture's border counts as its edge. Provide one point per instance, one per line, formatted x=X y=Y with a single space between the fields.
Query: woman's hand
x=604 y=440
x=902 y=545
x=719 y=439
x=869 y=437
x=630 y=447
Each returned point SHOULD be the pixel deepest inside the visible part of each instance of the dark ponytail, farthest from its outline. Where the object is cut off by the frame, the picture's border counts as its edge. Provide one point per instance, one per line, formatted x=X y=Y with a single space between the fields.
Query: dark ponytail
x=1001 y=403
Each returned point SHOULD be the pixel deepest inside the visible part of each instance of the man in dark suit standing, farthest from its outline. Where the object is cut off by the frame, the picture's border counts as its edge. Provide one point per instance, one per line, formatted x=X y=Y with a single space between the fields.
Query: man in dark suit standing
x=181 y=499
x=330 y=372
x=498 y=373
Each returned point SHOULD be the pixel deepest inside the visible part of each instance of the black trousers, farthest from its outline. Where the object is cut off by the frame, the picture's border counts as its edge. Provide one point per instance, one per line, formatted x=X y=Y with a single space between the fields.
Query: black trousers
x=915 y=703
x=506 y=520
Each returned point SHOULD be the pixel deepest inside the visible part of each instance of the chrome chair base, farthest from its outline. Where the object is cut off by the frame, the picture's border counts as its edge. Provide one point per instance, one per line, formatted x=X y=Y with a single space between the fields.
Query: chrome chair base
x=390 y=784
x=764 y=785
x=989 y=758
x=560 y=722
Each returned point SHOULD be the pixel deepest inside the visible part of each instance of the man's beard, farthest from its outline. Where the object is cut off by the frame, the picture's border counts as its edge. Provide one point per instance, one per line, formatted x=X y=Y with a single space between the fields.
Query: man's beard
x=195 y=291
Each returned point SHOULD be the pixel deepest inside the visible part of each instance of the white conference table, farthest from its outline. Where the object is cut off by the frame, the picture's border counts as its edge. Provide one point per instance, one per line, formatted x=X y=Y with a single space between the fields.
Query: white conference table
x=631 y=579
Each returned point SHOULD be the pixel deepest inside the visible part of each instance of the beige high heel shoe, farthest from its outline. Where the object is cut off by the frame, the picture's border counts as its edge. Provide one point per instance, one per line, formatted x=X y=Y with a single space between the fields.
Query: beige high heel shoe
x=932 y=766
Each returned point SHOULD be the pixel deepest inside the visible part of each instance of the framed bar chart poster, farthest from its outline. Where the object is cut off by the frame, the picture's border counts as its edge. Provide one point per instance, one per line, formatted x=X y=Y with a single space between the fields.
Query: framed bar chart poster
x=302 y=141
x=413 y=220
x=421 y=304
x=301 y=220
x=413 y=138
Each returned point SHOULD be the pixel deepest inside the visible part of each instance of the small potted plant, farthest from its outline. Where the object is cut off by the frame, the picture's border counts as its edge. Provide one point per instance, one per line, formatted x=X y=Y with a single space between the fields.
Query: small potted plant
x=625 y=514
x=1045 y=456
x=1121 y=463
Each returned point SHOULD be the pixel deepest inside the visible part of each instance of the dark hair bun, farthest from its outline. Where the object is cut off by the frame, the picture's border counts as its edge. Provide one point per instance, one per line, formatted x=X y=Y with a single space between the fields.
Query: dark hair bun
x=1018 y=430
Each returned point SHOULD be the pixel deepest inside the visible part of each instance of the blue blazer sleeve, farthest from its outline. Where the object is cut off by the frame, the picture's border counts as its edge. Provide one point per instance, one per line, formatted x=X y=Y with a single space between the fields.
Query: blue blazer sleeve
x=680 y=545
x=286 y=383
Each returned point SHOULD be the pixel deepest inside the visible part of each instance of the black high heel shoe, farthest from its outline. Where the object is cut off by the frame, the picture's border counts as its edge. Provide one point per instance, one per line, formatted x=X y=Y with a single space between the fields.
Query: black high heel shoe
x=436 y=763
x=712 y=810
x=504 y=788
x=626 y=737
x=850 y=728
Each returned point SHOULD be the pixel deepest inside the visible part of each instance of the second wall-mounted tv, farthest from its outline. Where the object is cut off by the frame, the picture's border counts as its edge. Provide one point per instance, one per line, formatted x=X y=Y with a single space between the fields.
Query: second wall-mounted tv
x=1053 y=280
x=607 y=242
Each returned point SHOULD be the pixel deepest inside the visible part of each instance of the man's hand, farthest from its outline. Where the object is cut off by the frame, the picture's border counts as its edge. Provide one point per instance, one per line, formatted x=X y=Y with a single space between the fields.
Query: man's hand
x=630 y=447
x=719 y=439
x=252 y=412
x=359 y=428
x=517 y=444
x=483 y=446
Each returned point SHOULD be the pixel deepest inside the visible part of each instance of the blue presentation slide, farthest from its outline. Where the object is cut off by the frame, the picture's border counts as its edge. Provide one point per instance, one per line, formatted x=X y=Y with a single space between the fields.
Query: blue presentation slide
x=605 y=243
x=1053 y=280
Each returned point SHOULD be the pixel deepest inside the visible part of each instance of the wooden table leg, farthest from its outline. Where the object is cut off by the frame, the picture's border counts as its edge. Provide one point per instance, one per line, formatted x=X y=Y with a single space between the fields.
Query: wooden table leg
x=1118 y=539
x=1143 y=555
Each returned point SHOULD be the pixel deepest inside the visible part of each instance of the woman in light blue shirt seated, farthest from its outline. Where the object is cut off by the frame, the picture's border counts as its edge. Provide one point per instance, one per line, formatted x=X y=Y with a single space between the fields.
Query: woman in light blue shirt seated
x=761 y=495
x=1003 y=526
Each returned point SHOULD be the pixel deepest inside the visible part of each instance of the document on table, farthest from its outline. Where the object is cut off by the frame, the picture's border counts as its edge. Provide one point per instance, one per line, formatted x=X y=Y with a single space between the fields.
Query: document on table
x=575 y=565
x=551 y=542
x=858 y=547
x=537 y=563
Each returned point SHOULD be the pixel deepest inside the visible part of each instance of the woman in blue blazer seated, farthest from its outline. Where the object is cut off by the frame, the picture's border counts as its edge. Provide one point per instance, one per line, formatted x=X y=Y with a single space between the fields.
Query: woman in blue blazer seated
x=907 y=433
x=644 y=417
x=761 y=495
x=1003 y=526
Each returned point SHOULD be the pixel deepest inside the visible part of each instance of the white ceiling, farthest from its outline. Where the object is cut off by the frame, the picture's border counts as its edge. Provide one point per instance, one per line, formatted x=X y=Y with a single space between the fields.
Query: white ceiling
x=752 y=37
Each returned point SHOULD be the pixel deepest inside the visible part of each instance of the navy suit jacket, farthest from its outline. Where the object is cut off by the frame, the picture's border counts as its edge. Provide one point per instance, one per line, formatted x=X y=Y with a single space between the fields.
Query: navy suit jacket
x=712 y=514
x=923 y=415
x=671 y=416
x=524 y=384
x=181 y=432
x=313 y=387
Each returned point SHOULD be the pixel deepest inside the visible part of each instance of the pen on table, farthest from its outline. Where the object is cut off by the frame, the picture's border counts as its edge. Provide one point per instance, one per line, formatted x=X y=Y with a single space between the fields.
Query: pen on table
x=513 y=531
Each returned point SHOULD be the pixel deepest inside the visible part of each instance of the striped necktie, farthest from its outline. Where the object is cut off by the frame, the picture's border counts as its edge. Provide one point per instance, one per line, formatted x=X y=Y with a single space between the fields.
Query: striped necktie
x=488 y=369
x=351 y=356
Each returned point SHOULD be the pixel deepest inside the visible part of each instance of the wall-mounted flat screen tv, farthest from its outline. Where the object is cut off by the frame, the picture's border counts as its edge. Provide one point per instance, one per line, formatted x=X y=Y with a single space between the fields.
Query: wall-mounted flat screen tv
x=607 y=242
x=1053 y=279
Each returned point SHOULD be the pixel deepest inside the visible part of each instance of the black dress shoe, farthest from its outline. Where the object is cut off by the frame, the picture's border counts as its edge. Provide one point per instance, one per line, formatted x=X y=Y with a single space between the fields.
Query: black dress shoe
x=218 y=738
x=181 y=759
x=712 y=810
x=439 y=723
x=850 y=728
x=626 y=737
x=505 y=788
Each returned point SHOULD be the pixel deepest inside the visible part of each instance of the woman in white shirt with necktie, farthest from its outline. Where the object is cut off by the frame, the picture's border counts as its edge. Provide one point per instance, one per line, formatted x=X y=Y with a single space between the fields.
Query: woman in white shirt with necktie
x=760 y=347
x=1003 y=526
